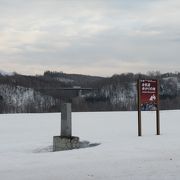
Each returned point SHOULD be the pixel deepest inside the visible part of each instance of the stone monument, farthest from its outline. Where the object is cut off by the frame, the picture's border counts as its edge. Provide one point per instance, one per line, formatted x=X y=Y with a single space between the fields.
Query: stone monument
x=65 y=141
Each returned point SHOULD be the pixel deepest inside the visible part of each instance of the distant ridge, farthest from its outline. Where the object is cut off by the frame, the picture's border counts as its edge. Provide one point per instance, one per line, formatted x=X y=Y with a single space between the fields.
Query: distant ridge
x=4 y=73
x=45 y=93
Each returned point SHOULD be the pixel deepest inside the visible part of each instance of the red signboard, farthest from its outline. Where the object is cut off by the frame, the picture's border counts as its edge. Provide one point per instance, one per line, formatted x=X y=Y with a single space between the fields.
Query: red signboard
x=148 y=100
x=148 y=95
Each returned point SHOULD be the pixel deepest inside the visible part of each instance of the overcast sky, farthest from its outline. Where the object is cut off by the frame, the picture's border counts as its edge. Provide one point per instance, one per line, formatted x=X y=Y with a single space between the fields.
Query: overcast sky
x=96 y=37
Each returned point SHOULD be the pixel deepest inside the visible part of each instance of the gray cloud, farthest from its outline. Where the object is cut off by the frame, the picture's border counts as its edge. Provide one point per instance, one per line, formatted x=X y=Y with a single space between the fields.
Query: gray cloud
x=92 y=37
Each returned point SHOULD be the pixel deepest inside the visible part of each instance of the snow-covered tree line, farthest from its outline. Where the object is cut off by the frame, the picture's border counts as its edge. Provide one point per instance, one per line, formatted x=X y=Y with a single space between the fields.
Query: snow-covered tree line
x=16 y=99
x=23 y=94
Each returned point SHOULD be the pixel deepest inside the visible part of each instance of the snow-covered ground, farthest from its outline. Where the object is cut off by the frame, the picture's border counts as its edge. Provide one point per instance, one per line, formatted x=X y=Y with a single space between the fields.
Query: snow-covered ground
x=26 y=144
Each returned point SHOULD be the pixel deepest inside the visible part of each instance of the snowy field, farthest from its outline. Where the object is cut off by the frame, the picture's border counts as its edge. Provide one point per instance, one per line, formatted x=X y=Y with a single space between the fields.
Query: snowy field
x=26 y=147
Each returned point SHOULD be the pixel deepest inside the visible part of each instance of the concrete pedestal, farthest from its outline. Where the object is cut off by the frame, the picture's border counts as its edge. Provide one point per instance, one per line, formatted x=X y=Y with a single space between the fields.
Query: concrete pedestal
x=61 y=143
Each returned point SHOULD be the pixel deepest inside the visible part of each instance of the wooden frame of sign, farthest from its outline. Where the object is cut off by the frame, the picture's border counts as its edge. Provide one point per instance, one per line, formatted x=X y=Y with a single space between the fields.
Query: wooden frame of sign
x=148 y=100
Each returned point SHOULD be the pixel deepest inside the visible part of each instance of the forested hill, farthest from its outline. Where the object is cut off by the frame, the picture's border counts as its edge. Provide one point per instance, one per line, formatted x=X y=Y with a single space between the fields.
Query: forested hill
x=45 y=93
x=73 y=79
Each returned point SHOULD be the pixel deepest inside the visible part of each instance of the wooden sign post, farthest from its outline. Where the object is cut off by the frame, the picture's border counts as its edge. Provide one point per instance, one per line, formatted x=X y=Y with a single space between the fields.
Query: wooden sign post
x=148 y=100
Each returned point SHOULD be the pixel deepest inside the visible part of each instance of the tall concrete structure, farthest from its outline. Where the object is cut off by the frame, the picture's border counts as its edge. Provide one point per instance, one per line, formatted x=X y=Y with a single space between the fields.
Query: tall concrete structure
x=65 y=141
x=66 y=118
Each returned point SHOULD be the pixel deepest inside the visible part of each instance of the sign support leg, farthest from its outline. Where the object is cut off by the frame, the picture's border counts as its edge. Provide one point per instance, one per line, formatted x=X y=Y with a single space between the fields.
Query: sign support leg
x=139 y=110
x=157 y=112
